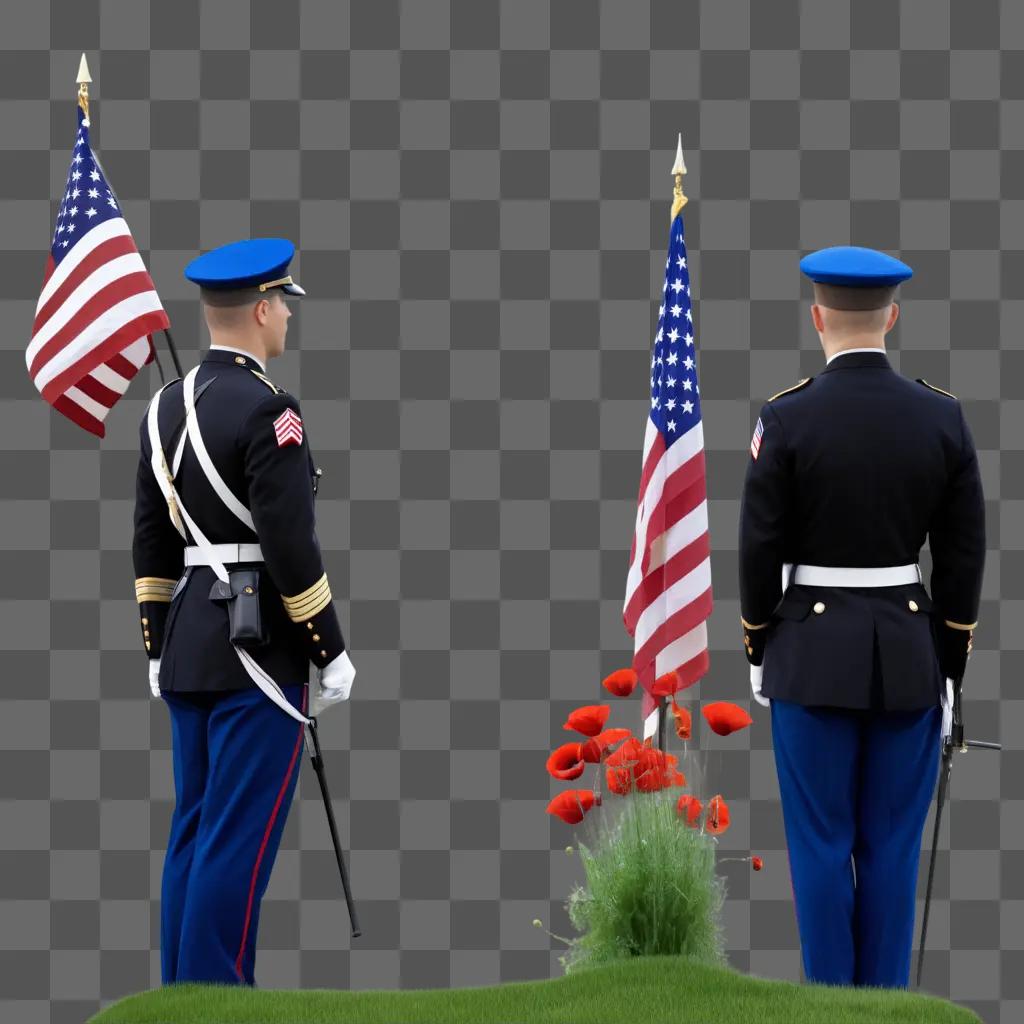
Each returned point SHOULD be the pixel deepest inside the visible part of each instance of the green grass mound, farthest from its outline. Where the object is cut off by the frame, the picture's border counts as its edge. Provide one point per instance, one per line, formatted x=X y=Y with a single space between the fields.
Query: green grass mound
x=655 y=990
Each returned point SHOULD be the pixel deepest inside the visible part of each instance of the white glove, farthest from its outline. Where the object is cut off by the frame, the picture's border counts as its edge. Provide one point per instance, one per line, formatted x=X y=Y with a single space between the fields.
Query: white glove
x=154 y=676
x=947 y=710
x=333 y=684
x=756 y=672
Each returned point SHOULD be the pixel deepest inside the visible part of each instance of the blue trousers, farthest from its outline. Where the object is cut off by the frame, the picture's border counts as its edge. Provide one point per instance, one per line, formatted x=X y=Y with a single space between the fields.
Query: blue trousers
x=236 y=763
x=855 y=784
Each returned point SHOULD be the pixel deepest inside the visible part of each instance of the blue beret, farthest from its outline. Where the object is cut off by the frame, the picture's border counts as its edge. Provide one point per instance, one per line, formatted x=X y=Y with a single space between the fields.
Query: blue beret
x=854 y=266
x=249 y=263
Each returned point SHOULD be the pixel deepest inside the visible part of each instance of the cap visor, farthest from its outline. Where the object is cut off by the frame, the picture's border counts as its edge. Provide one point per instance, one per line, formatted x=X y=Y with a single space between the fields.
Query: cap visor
x=293 y=289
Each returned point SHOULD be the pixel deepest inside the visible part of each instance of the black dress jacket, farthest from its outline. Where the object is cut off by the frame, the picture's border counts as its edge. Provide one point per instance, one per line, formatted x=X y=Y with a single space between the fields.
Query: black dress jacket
x=856 y=467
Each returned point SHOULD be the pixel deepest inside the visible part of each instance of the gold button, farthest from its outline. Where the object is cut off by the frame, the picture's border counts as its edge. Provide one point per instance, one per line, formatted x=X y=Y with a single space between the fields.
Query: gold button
x=309 y=625
x=145 y=622
x=819 y=607
x=319 y=472
x=247 y=590
x=145 y=632
x=316 y=636
x=147 y=645
x=323 y=654
x=240 y=360
x=912 y=605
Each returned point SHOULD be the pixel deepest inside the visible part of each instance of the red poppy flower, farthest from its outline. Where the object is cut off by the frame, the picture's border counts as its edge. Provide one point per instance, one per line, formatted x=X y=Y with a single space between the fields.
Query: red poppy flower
x=571 y=805
x=717 y=820
x=656 y=770
x=626 y=754
x=622 y=682
x=756 y=863
x=683 y=722
x=666 y=685
x=588 y=720
x=566 y=762
x=594 y=748
x=725 y=717
x=620 y=780
x=690 y=807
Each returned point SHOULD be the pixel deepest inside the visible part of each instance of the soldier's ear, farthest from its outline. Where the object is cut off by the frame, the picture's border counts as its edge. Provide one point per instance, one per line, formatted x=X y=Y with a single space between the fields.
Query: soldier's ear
x=894 y=315
x=816 y=317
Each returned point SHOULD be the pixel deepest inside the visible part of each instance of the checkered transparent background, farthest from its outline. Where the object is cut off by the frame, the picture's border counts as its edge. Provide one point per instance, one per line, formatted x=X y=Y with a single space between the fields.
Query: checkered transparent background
x=480 y=195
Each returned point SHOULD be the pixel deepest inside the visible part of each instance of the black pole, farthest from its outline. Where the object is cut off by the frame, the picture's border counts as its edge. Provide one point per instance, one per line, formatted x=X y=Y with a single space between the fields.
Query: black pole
x=954 y=741
x=662 y=708
x=174 y=354
x=318 y=767
x=156 y=356
x=944 y=773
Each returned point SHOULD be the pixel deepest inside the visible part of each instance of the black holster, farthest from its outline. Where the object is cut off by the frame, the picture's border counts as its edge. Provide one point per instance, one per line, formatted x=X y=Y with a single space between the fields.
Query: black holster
x=241 y=594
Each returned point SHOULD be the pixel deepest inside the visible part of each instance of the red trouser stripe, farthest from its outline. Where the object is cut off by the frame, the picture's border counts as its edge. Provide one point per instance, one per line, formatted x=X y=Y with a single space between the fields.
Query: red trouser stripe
x=266 y=837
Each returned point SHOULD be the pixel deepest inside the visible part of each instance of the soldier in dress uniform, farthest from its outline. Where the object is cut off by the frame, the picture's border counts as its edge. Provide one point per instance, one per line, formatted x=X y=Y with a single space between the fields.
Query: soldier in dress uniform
x=235 y=485
x=849 y=472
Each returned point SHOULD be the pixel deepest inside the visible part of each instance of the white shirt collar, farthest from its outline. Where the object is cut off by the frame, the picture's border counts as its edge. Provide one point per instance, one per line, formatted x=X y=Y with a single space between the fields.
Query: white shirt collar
x=873 y=348
x=240 y=351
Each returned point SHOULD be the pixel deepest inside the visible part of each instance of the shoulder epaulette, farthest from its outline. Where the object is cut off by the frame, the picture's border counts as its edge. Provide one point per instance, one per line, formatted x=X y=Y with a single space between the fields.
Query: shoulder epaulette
x=795 y=387
x=266 y=380
x=921 y=380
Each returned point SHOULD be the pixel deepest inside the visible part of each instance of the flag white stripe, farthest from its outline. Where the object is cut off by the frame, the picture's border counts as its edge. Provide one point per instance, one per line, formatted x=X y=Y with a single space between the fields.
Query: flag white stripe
x=109 y=378
x=686 y=589
x=677 y=653
x=89 y=288
x=90 y=405
x=93 y=238
x=99 y=330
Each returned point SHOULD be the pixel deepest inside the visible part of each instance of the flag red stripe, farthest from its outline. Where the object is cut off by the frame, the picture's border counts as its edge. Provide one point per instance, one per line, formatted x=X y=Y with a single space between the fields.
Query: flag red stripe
x=122 y=365
x=119 y=245
x=664 y=576
x=679 y=624
x=94 y=307
x=98 y=391
x=120 y=339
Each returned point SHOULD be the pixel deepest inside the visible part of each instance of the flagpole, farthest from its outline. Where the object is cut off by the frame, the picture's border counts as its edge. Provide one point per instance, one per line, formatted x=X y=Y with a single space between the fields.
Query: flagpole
x=84 y=78
x=174 y=353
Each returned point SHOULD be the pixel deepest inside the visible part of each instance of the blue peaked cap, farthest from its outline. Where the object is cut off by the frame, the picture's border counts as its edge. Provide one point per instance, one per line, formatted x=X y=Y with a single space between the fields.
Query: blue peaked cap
x=246 y=264
x=854 y=266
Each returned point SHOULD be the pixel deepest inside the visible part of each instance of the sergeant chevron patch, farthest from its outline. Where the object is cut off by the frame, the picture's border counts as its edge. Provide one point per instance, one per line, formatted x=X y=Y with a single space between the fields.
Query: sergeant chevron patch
x=288 y=428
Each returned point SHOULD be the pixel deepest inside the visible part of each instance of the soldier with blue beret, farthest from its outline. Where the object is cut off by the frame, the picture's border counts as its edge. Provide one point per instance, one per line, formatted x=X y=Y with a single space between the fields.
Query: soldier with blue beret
x=850 y=471
x=235 y=608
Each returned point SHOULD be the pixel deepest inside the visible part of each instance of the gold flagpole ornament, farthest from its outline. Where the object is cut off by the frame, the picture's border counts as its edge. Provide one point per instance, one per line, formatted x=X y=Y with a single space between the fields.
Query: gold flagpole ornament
x=678 y=169
x=84 y=78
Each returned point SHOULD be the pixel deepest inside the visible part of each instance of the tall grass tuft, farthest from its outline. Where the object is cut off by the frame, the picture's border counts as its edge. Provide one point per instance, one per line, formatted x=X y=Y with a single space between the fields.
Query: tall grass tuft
x=651 y=887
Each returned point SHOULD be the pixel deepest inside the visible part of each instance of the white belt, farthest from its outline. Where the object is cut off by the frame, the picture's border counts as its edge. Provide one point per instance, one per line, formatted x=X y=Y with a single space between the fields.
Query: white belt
x=836 y=576
x=223 y=552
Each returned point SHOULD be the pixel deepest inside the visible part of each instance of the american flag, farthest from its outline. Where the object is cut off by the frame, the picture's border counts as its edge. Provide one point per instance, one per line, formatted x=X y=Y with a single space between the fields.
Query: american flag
x=98 y=307
x=668 y=586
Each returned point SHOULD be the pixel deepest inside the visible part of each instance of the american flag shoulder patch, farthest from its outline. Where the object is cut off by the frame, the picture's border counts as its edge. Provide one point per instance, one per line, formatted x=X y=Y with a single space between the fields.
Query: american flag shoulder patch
x=288 y=428
x=755 y=441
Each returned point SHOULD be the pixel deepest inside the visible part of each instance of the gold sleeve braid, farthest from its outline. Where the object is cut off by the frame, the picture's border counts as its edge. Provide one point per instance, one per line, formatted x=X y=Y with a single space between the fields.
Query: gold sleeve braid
x=153 y=588
x=311 y=601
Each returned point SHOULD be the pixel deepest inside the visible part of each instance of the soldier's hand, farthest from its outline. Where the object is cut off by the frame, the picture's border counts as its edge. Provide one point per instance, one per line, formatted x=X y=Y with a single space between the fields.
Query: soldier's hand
x=333 y=684
x=154 y=676
x=755 y=685
x=947 y=710
x=953 y=646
